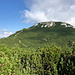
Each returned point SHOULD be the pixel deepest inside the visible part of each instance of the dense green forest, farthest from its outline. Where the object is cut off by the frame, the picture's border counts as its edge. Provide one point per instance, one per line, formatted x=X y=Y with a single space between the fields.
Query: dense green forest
x=46 y=48
x=49 y=60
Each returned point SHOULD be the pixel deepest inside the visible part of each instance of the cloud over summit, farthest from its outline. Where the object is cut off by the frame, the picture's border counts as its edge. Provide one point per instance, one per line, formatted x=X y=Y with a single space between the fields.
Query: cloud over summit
x=46 y=10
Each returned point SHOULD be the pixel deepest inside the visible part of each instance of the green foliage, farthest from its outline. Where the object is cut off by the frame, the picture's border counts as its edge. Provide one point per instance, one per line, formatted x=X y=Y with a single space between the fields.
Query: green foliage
x=9 y=61
x=49 y=60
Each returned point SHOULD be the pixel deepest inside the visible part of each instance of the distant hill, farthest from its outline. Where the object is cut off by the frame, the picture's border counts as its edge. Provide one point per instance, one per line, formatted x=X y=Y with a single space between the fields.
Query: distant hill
x=44 y=33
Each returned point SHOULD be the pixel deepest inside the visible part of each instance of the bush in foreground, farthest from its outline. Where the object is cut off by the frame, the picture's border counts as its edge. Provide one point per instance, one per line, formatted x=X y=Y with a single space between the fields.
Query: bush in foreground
x=49 y=60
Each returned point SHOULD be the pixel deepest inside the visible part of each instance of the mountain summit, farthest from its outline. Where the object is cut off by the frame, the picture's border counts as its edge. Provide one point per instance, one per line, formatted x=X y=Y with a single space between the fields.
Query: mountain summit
x=40 y=34
x=52 y=23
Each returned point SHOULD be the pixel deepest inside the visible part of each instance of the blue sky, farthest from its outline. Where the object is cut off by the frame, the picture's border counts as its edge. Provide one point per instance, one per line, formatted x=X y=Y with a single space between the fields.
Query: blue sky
x=10 y=16
x=19 y=14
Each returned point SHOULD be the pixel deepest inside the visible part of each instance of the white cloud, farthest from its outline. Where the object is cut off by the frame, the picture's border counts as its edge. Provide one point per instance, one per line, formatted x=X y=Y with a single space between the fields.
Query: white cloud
x=4 y=30
x=72 y=21
x=35 y=16
x=4 y=33
x=45 y=10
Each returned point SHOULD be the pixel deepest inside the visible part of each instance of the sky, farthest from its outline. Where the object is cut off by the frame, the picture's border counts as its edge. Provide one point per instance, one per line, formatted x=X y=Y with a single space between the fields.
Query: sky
x=18 y=14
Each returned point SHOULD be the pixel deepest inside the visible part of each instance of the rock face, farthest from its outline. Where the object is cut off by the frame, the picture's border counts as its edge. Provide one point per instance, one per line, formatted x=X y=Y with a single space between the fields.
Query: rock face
x=52 y=23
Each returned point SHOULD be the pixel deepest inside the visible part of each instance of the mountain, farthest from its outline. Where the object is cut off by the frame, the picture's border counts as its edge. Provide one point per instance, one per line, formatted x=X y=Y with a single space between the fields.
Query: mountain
x=44 y=33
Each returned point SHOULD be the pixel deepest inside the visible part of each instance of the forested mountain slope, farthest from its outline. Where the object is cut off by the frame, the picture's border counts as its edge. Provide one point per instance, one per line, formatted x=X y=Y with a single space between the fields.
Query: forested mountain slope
x=44 y=33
